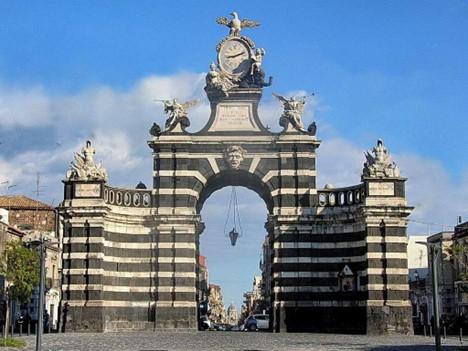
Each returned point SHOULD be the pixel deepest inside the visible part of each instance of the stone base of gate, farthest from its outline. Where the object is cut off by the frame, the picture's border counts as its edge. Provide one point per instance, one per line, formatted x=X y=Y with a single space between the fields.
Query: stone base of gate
x=370 y=320
x=109 y=319
x=389 y=320
x=176 y=319
x=347 y=320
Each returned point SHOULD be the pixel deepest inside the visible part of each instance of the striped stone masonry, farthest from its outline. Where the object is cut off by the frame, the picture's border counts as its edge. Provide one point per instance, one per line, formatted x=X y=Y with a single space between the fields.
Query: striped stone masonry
x=338 y=255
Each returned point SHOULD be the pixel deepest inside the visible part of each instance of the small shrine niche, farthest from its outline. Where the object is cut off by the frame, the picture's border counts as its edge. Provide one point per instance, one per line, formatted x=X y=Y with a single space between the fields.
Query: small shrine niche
x=347 y=280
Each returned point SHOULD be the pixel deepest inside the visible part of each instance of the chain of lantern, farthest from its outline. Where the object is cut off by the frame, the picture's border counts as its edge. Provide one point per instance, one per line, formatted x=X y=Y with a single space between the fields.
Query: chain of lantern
x=233 y=234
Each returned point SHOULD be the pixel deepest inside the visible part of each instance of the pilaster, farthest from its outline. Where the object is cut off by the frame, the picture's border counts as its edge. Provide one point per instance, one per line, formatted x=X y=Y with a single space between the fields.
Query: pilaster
x=385 y=213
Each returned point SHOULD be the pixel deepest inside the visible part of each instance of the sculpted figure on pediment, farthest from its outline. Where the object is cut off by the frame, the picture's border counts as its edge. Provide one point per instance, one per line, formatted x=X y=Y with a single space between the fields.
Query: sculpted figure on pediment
x=84 y=168
x=293 y=108
x=177 y=113
x=216 y=81
x=379 y=163
x=235 y=24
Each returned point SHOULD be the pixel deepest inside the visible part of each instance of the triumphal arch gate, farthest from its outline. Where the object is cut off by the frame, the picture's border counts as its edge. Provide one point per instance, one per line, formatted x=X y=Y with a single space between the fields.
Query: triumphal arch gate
x=338 y=255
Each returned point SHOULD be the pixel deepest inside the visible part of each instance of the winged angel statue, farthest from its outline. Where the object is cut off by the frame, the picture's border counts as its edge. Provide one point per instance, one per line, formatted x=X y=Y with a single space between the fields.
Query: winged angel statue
x=84 y=167
x=293 y=108
x=177 y=112
x=235 y=24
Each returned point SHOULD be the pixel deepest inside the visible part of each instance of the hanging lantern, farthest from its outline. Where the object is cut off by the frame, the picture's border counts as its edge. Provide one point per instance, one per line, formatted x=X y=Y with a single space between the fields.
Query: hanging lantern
x=233 y=235
x=236 y=221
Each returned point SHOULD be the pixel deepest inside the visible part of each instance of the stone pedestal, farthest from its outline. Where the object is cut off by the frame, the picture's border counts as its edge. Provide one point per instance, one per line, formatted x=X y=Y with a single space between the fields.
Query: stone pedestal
x=389 y=320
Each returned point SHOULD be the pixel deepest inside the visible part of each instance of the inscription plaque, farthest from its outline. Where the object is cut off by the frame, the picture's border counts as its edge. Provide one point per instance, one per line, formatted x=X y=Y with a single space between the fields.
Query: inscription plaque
x=381 y=189
x=88 y=190
x=230 y=117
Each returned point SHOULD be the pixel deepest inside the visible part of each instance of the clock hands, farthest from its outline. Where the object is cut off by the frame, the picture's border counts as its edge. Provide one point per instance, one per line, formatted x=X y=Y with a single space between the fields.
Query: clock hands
x=235 y=55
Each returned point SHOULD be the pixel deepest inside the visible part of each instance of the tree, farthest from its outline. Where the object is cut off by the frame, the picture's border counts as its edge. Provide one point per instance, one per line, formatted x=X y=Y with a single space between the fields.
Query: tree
x=20 y=267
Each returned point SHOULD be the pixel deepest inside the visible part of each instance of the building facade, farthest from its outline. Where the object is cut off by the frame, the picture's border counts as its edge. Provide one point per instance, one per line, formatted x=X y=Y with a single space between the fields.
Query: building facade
x=460 y=237
x=254 y=300
x=36 y=219
x=417 y=275
x=203 y=290
x=25 y=213
x=232 y=317
x=417 y=257
x=131 y=255
x=217 y=312
x=7 y=232
x=446 y=274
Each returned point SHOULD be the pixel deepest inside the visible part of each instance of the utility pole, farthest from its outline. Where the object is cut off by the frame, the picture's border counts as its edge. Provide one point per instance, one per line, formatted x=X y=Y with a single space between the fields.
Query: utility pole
x=40 y=309
x=434 y=252
x=38 y=184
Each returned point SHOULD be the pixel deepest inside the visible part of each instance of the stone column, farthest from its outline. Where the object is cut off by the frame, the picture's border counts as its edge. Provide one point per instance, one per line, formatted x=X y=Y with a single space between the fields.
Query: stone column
x=385 y=211
x=82 y=213
x=175 y=281
x=288 y=299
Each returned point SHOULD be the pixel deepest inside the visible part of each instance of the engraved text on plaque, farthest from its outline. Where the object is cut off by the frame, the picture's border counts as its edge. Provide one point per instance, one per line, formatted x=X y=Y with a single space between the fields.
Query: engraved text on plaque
x=87 y=190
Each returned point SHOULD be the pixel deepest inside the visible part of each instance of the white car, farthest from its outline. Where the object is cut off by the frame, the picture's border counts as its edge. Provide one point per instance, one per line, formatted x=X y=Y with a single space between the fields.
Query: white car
x=257 y=322
x=263 y=321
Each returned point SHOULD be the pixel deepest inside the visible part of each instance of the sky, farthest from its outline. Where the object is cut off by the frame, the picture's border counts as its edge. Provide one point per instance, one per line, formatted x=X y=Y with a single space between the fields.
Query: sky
x=394 y=70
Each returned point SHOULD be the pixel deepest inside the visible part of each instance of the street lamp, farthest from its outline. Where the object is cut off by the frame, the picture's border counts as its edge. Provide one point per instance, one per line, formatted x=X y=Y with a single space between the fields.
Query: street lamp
x=42 y=245
x=434 y=253
x=40 y=309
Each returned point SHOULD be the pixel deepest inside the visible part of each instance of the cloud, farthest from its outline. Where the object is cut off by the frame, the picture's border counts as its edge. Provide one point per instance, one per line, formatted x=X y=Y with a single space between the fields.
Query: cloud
x=339 y=163
x=9 y=174
x=438 y=199
x=44 y=130
x=118 y=121
x=24 y=107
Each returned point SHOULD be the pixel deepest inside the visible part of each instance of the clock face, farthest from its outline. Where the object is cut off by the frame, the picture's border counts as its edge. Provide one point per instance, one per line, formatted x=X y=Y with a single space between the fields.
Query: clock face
x=234 y=57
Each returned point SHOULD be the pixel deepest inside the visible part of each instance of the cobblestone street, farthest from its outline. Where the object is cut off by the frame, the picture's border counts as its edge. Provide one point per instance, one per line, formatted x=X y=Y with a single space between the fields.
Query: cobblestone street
x=237 y=341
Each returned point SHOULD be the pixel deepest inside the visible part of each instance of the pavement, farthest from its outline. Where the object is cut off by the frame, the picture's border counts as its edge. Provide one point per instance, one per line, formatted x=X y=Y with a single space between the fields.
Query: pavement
x=236 y=341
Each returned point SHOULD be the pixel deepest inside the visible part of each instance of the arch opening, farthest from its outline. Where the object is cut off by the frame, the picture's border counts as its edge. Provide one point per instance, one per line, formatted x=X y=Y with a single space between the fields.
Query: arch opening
x=233 y=271
x=235 y=178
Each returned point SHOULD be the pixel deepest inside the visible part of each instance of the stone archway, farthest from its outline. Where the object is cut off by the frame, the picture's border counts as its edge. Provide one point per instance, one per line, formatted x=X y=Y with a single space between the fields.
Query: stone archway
x=236 y=178
x=130 y=255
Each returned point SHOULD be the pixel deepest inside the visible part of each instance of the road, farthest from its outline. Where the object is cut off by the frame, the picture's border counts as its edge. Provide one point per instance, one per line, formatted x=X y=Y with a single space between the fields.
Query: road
x=235 y=341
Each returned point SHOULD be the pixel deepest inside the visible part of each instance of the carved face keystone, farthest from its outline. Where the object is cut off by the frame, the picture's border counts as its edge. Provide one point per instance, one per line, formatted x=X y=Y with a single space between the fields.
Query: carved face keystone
x=234 y=156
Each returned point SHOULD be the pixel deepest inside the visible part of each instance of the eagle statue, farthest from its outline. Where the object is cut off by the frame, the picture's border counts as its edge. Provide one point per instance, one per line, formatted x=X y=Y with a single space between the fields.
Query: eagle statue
x=235 y=24
x=312 y=129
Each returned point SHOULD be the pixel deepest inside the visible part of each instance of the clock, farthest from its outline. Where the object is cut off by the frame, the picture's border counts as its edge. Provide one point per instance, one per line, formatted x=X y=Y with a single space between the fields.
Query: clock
x=234 y=57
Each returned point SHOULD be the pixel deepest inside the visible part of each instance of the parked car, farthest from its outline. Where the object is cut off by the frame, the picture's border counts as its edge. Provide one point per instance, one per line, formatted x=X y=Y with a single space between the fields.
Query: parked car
x=257 y=322
x=204 y=323
x=228 y=327
x=219 y=327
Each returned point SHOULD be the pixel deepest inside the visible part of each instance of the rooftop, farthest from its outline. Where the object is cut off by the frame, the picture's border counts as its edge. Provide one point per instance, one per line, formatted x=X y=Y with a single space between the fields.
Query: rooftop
x=442 y=236
x=461 y=230
x=22 y=202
